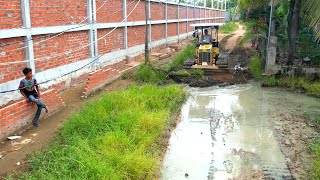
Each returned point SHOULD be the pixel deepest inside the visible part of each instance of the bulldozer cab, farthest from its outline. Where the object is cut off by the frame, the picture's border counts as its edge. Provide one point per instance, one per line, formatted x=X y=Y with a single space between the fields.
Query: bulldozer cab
x=207 y=49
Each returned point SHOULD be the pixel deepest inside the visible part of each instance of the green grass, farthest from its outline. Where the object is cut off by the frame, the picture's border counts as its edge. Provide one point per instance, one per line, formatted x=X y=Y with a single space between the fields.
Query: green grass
x=229 y=28
x=293 y=83
x=315 y=171
x=255 y=66
x=179 y=59
x=314 y=146
x=146 y=73
x=115 y=137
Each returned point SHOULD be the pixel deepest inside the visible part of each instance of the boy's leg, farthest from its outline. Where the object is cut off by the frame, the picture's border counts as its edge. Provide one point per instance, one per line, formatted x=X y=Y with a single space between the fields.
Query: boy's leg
x=36 y=118
x=39 y=103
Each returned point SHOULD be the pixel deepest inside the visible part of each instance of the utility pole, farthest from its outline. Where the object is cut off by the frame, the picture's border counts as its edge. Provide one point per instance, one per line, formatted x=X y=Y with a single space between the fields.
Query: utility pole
x=269 y=35
x=146 y=51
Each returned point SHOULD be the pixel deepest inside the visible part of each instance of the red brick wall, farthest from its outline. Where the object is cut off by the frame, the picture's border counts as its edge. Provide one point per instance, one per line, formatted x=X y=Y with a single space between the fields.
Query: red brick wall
x=57 y=48
x=113 y=42
x=183 y=12
x=57 y=12
x=190 y=28
x=157 y=11
x=183 y=28
x=197 y=12
x=190 y=12
x=208 y=13
x=19 y=114
x=172 y=12
x=10 y=14
x=99 y=78
x=158 y=32
x=203 y=12
x=11 y=71
x=138 y=13
x=110 y=12
x=172 y=29
x=136 y=35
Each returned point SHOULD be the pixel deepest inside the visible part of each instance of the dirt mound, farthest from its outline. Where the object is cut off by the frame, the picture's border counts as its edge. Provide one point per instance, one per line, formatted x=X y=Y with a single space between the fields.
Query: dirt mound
x=197 y=78
x=193 y=81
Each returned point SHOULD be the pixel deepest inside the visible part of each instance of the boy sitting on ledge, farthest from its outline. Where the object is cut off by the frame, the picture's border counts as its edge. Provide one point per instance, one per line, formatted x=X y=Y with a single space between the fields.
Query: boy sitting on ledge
x=30 y=90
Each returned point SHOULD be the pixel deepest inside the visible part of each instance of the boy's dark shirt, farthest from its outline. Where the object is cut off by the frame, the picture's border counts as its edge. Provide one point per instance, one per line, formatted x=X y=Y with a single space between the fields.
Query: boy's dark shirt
x=29 y=87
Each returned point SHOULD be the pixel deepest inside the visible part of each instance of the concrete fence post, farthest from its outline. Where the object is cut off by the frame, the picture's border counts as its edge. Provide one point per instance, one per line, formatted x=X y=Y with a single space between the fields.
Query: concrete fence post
x=125 y=34
x=178 y=26
x=91 y=37
x=205 y=10
x=149 y=20
x=187 y=15
x=166 y=25
x=26 y=20
x=194 y=11
x=95 y=31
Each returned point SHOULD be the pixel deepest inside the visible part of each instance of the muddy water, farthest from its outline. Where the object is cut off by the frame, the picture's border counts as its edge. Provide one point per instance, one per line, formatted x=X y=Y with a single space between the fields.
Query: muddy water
x=225 y=133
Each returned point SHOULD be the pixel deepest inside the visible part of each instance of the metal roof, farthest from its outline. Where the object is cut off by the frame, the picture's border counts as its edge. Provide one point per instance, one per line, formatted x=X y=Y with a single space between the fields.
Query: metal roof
x=206 y=25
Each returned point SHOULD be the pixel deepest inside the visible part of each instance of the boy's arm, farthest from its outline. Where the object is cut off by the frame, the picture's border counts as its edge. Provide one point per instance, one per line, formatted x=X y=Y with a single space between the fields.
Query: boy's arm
x=21 y=91
x=37 y=87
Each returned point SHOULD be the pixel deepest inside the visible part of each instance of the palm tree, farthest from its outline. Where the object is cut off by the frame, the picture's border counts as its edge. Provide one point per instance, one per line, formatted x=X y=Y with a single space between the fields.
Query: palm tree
x=310 y=10
x=250 y=5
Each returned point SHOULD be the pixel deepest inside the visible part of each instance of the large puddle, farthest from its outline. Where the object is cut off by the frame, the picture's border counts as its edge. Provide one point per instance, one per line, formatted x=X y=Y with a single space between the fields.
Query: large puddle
x=225 y=133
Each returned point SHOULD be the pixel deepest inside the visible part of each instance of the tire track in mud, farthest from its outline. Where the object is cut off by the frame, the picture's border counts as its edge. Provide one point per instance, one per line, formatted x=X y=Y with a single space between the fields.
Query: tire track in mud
x=257 y=168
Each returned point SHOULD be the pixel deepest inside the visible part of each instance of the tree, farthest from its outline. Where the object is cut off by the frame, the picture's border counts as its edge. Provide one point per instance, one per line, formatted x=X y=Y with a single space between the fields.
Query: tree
x=248 y=6
x=293 y=29
x=311 y=12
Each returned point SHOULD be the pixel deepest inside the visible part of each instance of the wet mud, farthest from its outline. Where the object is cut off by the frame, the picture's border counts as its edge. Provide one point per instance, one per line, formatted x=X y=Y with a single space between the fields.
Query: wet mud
x=240 y=132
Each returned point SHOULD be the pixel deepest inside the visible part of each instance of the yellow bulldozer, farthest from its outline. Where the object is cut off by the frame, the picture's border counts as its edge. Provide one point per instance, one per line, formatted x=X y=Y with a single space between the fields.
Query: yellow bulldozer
x=207 y=49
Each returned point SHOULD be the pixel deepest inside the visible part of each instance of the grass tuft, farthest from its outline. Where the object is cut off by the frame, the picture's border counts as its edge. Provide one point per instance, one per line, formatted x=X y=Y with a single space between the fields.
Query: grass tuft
x=180 y=58
x=229 y=28
x=115 y=137
x=148 y=74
